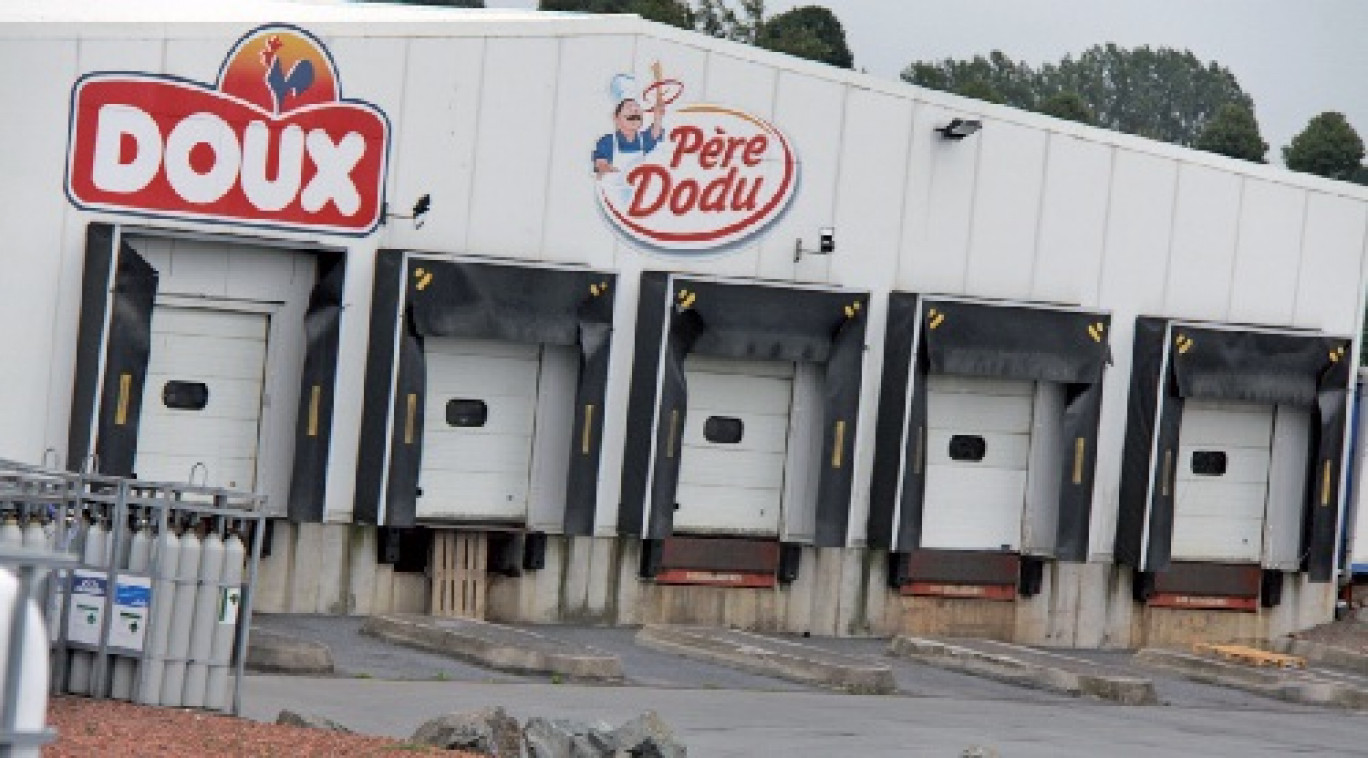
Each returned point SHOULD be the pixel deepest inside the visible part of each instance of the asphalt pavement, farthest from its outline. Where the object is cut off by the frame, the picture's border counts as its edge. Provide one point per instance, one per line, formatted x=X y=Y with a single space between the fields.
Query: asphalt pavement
x=381 y=688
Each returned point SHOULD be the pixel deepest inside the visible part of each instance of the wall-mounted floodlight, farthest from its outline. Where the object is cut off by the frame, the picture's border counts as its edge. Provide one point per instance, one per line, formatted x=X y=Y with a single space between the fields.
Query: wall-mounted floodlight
x=420 y=209
x=826 y=243
x=960 y=128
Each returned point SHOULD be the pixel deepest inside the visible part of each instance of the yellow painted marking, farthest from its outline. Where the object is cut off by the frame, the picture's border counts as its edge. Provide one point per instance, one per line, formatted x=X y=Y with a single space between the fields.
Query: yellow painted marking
x=314 y=400
x=1325 y=484
x=917 y=453
x=838 y=449
x=1168 y=470
x=937 y=320
x=674 y=427
x=1080 y=448
x=588 y=429
x=411 y=419
x=125 y=389
x=1251 y=656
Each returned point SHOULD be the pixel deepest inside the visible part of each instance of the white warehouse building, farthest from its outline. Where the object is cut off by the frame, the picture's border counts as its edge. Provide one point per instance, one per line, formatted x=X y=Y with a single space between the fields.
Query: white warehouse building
x=550 y=318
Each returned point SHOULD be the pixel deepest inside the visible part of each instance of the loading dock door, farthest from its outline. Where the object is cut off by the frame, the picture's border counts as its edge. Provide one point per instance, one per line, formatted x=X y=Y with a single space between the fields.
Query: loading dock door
x=977 y=451
x=202 y=398
x=1221 y=482
x=478 y=425
x=731 y=476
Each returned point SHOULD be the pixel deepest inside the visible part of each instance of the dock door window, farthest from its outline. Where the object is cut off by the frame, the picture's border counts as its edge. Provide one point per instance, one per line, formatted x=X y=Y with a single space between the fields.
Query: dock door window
x=185 y=396
x=968 y=447
x=1209 y=462
x=723 y=430
x=466 y=413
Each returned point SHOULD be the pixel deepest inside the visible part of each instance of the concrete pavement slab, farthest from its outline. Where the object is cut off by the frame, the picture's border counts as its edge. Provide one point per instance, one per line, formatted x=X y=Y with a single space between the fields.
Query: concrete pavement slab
x=1311 y=686
x=771 y=656
x=820 y=724
x=505 y=648
x=1029 y=667
x=280 y=653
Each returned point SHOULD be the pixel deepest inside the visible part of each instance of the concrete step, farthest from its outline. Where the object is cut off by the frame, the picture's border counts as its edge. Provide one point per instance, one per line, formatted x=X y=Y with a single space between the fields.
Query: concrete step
x=1308 y=687
x=770 y=656
x=276 y=653
x=1028 y=667
x=497 y=646
x=1332 y=656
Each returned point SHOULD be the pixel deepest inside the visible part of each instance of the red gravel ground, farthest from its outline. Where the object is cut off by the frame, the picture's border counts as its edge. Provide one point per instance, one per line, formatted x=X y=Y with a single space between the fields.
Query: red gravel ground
x=112 y=728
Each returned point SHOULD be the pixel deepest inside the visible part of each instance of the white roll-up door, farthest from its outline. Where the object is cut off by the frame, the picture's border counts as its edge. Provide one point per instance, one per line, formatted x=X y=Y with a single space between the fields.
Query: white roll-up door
x=977 y=451
x=1221 y=483
x=478 y=425
x=202 y=399
x=731 y=475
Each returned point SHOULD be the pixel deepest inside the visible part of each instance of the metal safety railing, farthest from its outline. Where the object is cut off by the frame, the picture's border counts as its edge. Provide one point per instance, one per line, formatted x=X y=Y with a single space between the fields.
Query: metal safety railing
x=150 y=595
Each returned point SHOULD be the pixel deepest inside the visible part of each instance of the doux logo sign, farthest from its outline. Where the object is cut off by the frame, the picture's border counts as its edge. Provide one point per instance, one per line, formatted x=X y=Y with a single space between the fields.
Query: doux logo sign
x=695 y=179
x=271 y=143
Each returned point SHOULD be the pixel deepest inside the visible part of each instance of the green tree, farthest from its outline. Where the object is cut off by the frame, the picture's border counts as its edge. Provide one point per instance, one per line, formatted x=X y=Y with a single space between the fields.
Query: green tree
x=1328 y=147
x=1068 y=106
x=672 y=12
x=441 y=3
x=1008 y=81
x=716 y=18
x=1162 y=93
x=1159 y=93
x=811 y=32
x=981 y=90
x=1233 y=132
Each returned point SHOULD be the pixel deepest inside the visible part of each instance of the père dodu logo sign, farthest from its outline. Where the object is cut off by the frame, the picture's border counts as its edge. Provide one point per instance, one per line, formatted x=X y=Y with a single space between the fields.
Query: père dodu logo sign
x=690 y=179
x=271 y=143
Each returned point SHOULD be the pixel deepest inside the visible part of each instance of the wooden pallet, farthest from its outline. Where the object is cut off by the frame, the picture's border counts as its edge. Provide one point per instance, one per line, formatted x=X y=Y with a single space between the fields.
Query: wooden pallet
x=1251 y=656
x=458 y=564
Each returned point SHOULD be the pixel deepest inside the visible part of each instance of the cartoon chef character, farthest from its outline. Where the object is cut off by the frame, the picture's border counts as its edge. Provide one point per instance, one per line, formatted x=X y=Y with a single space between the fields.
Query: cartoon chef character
x=616 y=153
x=629 y=143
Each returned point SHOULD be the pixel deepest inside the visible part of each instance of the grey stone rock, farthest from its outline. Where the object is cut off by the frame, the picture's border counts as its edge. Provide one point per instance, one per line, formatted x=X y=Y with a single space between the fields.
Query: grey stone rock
x=979 y=751
x=490 y=731
x=310 y=721
x=559 y=738
x=647 y=736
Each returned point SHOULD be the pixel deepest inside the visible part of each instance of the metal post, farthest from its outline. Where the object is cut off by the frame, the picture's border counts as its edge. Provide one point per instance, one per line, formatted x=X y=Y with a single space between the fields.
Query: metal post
x=245 y=617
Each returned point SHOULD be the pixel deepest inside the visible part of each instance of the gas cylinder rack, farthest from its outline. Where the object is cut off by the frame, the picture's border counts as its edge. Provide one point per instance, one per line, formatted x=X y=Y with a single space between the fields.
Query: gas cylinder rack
x=158 y=608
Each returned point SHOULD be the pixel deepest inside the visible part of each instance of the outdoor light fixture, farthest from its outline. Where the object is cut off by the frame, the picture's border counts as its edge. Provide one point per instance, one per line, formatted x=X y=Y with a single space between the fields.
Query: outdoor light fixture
x=826 y=243
x=959 y=128
x=420 y=209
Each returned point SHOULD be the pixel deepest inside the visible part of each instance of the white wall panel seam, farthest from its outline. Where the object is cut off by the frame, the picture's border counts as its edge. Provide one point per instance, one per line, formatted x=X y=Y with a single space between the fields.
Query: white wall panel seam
x=550 y=160
x=1172 y=233
x=908 y=173
x=60 y=405
x=836 y=177
x=1040 y=215
x=1301 y=253
x=479 y=78
x=968 y=251
x=1235 y=254
x=1103 y=249
x=396 y=146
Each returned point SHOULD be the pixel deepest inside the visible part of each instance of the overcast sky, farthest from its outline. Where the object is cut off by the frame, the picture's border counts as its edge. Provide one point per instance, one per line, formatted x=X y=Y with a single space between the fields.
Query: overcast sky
x=1296 y=58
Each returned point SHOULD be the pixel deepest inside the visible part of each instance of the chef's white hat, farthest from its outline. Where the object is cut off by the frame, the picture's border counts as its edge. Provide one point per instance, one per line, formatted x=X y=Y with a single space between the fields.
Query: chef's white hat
x=624 y=87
